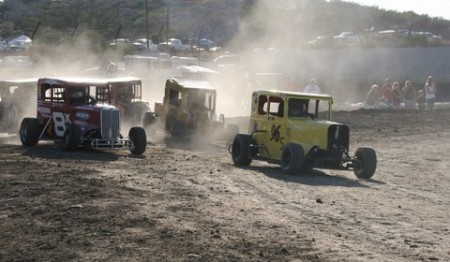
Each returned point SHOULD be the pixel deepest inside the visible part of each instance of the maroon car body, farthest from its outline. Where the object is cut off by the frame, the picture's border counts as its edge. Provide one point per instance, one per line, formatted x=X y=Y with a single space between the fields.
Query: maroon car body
x=77 y=112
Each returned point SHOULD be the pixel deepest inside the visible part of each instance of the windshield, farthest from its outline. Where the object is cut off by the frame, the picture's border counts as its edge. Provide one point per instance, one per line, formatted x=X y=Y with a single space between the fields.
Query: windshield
x=201 y=100
x=78 y=95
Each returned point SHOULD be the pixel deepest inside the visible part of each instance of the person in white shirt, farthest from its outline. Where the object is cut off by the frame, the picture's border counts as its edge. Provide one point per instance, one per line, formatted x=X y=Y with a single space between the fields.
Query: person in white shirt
x=430 y=92
x=312 y=88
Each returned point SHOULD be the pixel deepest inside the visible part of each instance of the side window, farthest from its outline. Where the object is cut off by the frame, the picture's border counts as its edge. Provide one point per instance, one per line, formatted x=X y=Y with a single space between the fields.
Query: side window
x=262 y=105
x=53 y=93
x=174 y=97
x=137 y=91
x=276 y=106
x=58 y=94
x=46 y=93
x=92 y=91
x=102 y=95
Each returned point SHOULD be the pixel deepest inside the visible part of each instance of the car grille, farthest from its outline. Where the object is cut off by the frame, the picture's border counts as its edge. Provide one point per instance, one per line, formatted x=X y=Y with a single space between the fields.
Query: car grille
x=110 y=124
x=338 y=137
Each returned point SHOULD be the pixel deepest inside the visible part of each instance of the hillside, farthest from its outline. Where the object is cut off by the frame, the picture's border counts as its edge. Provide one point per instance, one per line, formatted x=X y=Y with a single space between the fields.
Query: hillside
x=220 y=20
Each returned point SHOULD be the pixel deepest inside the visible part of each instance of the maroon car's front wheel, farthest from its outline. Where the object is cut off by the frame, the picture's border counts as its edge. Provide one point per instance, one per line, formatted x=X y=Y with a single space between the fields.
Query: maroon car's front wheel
x=72 y=138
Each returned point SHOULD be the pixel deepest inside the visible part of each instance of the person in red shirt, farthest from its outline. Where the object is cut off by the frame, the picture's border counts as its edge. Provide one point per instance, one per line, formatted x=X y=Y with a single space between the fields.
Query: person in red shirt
x=386 y=90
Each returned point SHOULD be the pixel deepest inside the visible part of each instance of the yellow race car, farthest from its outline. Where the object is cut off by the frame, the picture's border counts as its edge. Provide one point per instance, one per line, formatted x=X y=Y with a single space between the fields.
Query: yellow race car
x=295 y=130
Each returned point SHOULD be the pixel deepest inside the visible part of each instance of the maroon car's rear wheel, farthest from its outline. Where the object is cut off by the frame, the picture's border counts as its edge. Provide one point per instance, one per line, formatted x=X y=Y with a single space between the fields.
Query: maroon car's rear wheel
x=29 y=131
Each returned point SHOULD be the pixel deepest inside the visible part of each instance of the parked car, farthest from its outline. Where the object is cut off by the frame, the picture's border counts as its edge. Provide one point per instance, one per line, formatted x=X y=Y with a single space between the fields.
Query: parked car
x=141 y=44
x=348 y=37
x=174 y=44
x=206 y=44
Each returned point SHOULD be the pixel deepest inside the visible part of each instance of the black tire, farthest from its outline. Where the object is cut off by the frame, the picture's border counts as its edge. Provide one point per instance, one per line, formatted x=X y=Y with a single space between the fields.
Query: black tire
x=139 y=138
x=366 y=162
x=292 y=159
x=29 y=131
x=240 y=150
x=72 y=138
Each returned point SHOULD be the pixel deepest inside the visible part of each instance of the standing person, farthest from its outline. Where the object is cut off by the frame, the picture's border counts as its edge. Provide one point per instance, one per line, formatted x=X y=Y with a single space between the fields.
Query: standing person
x=430 y=92
x=312 y=88
x=409 y=95
x=396 y=95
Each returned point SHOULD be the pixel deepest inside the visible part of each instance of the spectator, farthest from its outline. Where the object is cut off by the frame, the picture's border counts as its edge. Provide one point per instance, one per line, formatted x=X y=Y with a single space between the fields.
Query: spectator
x=373 y=97
x=312 y=88
x=409 y=95
x=430 y=92
x=421 y=100
x=386 y=90
x=396 y=95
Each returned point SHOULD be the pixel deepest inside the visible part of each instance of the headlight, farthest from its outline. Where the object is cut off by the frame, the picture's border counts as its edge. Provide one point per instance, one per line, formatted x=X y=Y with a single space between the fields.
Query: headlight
x=82 y=115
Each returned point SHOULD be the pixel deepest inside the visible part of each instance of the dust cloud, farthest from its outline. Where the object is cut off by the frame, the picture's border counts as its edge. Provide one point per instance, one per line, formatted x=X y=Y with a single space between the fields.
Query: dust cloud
x=19 y=72
x=272 y=44
x=267 y=53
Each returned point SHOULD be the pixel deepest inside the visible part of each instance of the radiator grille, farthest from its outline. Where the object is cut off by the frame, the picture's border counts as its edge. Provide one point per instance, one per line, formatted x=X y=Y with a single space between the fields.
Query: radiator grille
x=110 y=124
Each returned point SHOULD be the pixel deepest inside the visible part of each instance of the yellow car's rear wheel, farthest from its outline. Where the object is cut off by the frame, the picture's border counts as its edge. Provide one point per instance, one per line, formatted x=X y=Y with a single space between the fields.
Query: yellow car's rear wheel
x=240 y=150
x=292 y=159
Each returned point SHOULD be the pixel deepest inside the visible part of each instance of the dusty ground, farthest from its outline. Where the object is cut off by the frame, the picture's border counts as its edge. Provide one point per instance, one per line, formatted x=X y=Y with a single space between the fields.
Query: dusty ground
x=192 y=204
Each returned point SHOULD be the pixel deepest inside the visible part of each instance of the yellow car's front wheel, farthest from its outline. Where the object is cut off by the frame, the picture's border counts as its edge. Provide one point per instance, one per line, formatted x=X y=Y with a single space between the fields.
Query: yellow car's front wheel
x=366 y=162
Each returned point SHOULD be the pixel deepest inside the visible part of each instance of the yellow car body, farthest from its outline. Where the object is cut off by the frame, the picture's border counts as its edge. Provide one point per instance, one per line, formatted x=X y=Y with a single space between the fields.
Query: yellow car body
x=295 y=130
x=189 y=107
x=275 y=129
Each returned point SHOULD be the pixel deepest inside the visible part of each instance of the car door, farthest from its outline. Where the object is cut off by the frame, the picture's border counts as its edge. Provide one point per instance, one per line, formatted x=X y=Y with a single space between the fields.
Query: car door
x=271 y=127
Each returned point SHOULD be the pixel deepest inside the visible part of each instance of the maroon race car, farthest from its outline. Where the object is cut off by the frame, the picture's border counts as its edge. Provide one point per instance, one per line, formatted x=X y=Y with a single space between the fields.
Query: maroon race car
x=76 y=112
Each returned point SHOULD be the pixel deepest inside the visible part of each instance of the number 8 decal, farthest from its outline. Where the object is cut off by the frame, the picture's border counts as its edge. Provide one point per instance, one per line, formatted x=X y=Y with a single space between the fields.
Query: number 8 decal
x=59 y=120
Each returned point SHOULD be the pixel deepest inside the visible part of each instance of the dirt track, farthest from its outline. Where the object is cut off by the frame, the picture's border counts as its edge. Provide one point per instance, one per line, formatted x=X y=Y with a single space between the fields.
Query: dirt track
x=191 y=204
